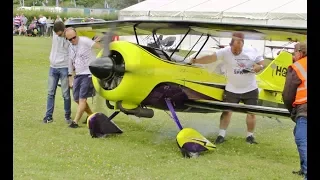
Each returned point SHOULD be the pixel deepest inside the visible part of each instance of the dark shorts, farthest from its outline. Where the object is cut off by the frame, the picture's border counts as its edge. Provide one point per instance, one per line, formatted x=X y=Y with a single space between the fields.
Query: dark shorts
x=82 y=87
x=249 y=98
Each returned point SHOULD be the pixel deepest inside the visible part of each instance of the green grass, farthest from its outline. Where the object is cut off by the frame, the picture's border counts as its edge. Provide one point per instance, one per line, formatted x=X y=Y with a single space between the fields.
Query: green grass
x=147 y=148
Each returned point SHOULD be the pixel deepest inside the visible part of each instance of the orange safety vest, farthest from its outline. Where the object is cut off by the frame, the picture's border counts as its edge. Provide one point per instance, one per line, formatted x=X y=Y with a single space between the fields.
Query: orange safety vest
x=300 y=67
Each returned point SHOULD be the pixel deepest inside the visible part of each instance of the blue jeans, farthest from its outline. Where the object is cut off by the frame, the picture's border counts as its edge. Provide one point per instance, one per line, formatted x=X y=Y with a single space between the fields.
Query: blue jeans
x=300 y=134
x=54 y=75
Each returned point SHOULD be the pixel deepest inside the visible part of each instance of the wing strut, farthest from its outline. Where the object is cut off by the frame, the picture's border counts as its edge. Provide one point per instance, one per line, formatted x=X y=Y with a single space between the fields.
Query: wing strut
x=135 y=32
x=193 y=47
x=202 y=45
x=180 y=42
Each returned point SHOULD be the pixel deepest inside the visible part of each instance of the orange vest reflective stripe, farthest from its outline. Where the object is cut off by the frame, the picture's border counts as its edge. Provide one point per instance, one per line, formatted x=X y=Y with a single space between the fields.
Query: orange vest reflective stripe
x=300 y=67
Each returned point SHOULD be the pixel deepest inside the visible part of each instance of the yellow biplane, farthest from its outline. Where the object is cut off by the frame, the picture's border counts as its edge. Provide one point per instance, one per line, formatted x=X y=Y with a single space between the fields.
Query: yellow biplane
x=135 y=79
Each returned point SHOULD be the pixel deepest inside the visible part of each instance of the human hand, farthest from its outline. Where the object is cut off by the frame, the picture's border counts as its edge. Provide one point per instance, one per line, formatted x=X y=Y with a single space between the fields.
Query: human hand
x=97 y=39
x=256 y=68
x=70 y=81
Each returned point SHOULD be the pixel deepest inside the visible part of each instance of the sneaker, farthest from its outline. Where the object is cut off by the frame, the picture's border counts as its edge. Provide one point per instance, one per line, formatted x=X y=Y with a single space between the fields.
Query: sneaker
x=300 y=172
x=73 y=125
x=68 y=120
x=219 y=140
x=251 y=140
x=47 y=120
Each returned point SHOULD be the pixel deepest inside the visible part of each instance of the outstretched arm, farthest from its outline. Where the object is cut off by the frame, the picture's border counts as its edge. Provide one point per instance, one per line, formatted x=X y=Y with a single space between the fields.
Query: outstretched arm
x=205 y=59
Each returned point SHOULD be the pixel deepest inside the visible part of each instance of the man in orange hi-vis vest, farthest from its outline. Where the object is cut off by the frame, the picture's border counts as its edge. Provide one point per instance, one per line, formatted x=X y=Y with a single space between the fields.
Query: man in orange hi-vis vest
x=295 y=99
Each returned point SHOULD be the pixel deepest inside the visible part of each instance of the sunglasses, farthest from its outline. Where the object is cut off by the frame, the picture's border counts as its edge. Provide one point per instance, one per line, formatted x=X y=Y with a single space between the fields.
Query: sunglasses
x=72 y=38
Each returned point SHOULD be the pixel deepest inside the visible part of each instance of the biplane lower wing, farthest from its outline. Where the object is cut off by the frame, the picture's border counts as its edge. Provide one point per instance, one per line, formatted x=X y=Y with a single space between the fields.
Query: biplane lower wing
x=240 y=108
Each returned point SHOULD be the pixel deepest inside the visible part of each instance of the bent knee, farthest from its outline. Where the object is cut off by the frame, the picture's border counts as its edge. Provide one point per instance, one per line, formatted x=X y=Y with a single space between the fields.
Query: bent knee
x=226 y=113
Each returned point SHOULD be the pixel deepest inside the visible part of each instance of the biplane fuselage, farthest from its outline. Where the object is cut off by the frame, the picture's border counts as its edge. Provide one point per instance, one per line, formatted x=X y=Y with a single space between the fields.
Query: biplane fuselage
x=152 y=76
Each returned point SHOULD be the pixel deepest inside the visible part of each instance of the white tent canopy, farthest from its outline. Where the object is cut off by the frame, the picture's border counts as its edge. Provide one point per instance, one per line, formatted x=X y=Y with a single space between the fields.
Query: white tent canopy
x=270 y=12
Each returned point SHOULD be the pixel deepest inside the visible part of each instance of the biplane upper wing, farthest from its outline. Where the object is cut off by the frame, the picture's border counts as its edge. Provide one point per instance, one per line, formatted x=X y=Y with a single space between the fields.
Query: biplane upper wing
x=240 y=108
x=172 y=27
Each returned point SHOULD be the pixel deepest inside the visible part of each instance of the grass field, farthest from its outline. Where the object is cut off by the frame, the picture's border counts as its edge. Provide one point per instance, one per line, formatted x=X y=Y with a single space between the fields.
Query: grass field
x=147 y=148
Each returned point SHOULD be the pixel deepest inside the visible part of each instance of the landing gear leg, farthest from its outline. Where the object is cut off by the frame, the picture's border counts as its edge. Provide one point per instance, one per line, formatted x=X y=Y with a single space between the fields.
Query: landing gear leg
x=173 y=113
x=113 y=115
x=189 y=141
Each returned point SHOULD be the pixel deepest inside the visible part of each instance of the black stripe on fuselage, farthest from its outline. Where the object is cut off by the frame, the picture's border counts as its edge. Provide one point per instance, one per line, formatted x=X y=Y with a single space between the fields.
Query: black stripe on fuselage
x=220 y=86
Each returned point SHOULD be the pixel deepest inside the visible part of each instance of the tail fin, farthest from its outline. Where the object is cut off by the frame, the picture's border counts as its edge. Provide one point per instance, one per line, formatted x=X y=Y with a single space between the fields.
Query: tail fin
x=273 y=77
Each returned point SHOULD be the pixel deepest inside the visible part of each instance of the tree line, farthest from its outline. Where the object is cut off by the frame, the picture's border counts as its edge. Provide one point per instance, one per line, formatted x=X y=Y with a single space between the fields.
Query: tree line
x=116 y=4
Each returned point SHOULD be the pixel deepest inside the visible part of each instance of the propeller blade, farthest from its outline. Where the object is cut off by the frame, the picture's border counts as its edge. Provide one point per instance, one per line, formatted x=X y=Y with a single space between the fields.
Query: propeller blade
x=107 y=39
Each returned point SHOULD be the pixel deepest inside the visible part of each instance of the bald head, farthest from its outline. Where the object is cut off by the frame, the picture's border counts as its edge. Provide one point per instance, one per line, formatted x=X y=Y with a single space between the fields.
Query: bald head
x=71 y=35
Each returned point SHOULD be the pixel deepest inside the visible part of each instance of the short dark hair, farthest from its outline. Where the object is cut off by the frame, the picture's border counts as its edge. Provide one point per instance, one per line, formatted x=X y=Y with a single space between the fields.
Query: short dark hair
x=58 y=26
x=237 y=35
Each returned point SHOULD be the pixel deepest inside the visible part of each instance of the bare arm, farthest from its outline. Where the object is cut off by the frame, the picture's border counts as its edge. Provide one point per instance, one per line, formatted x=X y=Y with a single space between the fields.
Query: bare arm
x=70 y=70
x=97 y=45
x=257 y=67
x=259 y=63
x=205 y=59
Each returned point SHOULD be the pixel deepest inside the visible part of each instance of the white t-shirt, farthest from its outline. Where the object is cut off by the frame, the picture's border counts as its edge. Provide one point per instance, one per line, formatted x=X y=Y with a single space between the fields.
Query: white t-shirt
x=81 y=55
x=239 y=82
x=43 y=20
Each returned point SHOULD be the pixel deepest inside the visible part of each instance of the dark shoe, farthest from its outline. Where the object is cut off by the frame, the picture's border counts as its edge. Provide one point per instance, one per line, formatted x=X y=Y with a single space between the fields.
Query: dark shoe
x=47 y=120
x=219 y=140
x=251 y=140
x=300 y=172
x=73 y=125
x=85 y=122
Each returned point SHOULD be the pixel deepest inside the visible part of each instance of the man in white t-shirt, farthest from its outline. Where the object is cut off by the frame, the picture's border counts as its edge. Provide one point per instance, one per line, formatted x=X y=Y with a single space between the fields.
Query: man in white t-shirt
x=81 y=53
x=241 y=85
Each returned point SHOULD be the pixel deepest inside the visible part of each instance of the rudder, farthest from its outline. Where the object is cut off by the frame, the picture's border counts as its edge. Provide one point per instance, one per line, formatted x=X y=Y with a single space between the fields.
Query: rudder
x=273 y=77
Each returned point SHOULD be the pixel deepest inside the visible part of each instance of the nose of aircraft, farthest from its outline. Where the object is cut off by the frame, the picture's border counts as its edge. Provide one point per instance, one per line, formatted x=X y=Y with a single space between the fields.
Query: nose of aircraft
x=105 y=67
x=102 y=68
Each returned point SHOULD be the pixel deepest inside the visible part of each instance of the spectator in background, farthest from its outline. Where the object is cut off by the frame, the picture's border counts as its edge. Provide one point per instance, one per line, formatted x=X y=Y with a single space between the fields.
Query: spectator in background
x=49 y=26
x=42 y=24
x=22 y=30
x=17 y=21
x=24 y=20
x=58 y=19
x=36 y=27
